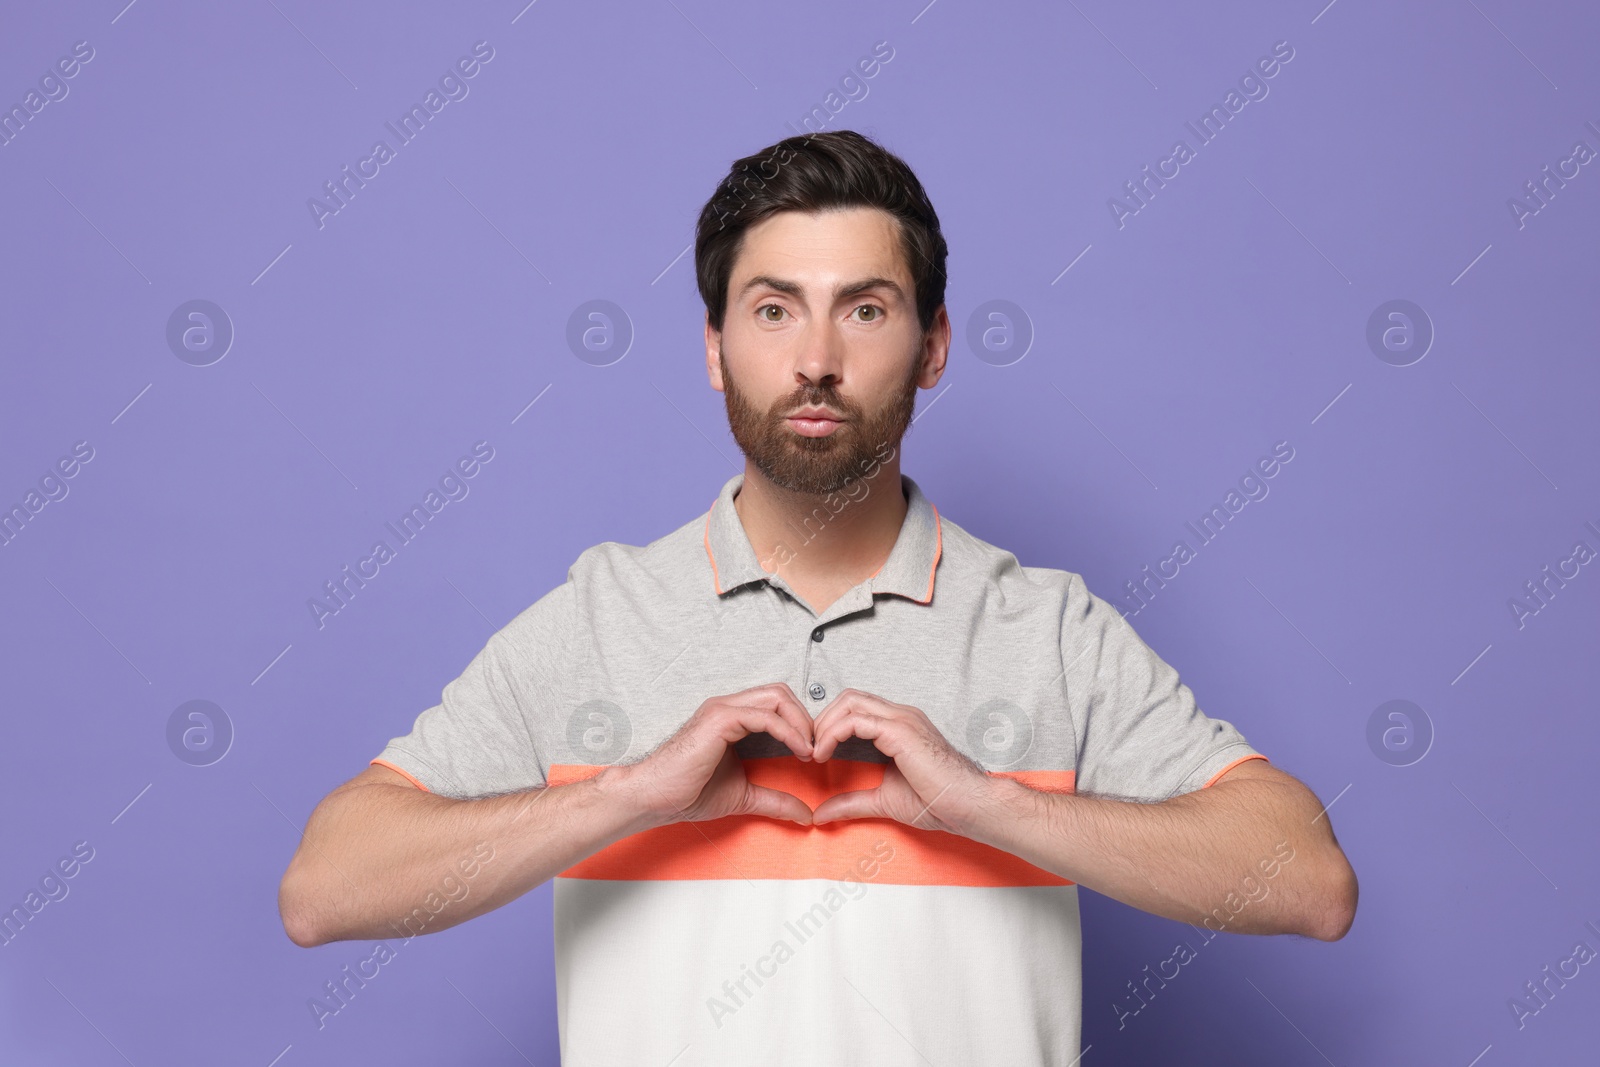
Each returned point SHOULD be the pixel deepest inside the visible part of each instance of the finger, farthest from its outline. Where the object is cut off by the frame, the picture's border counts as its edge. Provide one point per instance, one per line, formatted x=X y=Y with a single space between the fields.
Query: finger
x=776 y=804
x=734 y=721
x=856 y=720
x=781 y=700
x=847 y=701
x=787 y=704
x=828 y=723
x=841 y=702
x=841 y=727
x=856 y=804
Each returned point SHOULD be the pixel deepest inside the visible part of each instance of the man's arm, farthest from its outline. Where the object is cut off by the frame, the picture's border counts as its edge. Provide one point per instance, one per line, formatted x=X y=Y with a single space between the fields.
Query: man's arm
x=377 y=849
x=1253 y=853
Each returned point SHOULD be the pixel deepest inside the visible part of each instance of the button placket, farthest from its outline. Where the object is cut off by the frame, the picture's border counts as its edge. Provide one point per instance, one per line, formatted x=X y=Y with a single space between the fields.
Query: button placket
x=814 y=666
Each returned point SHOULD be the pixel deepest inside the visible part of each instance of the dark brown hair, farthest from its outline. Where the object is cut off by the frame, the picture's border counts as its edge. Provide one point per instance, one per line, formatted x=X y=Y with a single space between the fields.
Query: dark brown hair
x=811 y=173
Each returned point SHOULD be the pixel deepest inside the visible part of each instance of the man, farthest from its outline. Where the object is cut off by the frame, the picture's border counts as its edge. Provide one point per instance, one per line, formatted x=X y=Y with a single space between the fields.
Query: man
x=817 y=774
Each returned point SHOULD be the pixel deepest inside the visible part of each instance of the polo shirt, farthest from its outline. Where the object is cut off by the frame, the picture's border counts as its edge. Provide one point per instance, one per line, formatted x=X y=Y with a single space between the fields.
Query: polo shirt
x=753 y=940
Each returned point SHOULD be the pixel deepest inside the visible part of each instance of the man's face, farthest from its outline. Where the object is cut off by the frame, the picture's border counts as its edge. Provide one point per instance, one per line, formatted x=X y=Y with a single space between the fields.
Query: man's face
x=822 y=314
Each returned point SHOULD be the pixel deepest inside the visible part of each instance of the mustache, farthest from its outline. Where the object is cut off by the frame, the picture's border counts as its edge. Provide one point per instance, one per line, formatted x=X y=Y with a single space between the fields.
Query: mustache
x=815 y=397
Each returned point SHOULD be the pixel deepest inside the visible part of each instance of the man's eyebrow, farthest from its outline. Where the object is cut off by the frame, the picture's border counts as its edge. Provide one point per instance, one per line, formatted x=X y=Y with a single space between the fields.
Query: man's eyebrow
x=841 y=292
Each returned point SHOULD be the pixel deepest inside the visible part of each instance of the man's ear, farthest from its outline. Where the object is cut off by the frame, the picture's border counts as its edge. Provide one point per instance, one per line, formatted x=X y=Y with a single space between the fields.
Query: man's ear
x=713 y=354
x=935 y=350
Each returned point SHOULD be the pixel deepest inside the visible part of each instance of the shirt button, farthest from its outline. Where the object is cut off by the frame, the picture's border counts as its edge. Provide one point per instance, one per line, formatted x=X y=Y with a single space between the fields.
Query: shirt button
x=816 y=691
x=816 y=635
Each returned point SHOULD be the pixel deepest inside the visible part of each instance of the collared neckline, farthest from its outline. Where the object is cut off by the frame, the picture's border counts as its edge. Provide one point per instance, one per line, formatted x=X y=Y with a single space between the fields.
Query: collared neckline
x=909 y=571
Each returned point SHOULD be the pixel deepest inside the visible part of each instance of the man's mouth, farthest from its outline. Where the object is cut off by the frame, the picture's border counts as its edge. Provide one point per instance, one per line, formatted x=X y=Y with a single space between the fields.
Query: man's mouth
x=815 y=422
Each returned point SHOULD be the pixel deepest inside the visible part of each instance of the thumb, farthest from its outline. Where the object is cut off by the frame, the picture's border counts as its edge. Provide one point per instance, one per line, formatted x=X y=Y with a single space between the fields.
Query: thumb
x=776 y=804
x=855 y=804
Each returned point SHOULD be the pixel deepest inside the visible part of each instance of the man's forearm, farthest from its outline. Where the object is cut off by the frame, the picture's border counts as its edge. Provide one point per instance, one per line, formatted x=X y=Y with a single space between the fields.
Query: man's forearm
x=1248 y=856
x=383 y=860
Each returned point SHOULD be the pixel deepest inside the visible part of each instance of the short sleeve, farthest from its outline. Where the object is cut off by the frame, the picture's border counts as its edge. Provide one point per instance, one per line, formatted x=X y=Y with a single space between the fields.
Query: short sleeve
x=478 y=740
x=1140 y=734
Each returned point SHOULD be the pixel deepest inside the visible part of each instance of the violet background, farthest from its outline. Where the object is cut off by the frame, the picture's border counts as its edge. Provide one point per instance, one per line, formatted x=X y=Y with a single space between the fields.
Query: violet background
x=1229 y=314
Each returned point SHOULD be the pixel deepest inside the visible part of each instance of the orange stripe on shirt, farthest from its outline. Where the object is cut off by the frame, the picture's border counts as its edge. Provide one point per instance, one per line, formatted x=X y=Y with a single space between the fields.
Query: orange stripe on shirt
x=1215 y=777
x=402 y=772
x=753 y=846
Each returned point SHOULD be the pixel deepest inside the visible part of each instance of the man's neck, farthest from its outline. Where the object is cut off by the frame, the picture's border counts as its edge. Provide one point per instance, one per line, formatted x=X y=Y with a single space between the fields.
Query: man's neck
x=823 y=545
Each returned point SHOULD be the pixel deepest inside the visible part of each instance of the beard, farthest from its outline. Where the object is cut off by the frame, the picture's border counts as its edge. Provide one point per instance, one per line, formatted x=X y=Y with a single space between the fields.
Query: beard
x=817 y=465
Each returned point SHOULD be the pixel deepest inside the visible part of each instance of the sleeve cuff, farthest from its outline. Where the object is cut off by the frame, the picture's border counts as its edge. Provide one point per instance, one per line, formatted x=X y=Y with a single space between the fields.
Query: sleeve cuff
x=407 y=775
x=1230 y=766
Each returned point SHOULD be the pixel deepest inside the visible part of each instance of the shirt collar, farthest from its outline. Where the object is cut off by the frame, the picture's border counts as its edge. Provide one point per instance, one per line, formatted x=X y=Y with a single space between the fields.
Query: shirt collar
x=908 y=572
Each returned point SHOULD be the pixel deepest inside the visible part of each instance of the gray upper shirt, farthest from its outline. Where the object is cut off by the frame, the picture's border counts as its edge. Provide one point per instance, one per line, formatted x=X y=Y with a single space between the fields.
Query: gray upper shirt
x=724 y=942
x=1021 y=668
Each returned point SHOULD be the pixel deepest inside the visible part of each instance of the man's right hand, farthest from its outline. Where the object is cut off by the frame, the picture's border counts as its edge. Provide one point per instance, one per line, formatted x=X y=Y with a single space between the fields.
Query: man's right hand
x=696 y=774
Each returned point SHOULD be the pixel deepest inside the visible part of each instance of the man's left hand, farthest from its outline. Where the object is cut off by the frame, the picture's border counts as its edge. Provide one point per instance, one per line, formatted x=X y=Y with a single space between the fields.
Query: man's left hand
x=927 y=784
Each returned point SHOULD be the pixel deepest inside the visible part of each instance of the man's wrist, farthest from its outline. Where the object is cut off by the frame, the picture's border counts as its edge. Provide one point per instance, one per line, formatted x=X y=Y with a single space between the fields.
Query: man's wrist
x=999 y=803
x=623 y=790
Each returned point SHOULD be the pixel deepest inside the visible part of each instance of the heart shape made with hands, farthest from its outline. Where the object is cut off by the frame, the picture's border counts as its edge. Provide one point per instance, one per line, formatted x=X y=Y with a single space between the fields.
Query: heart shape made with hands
x=923 y=769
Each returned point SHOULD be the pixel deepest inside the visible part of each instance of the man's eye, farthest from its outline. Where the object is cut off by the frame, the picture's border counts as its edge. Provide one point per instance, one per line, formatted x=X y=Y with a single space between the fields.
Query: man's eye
x=873 y=308
x=769 y=307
